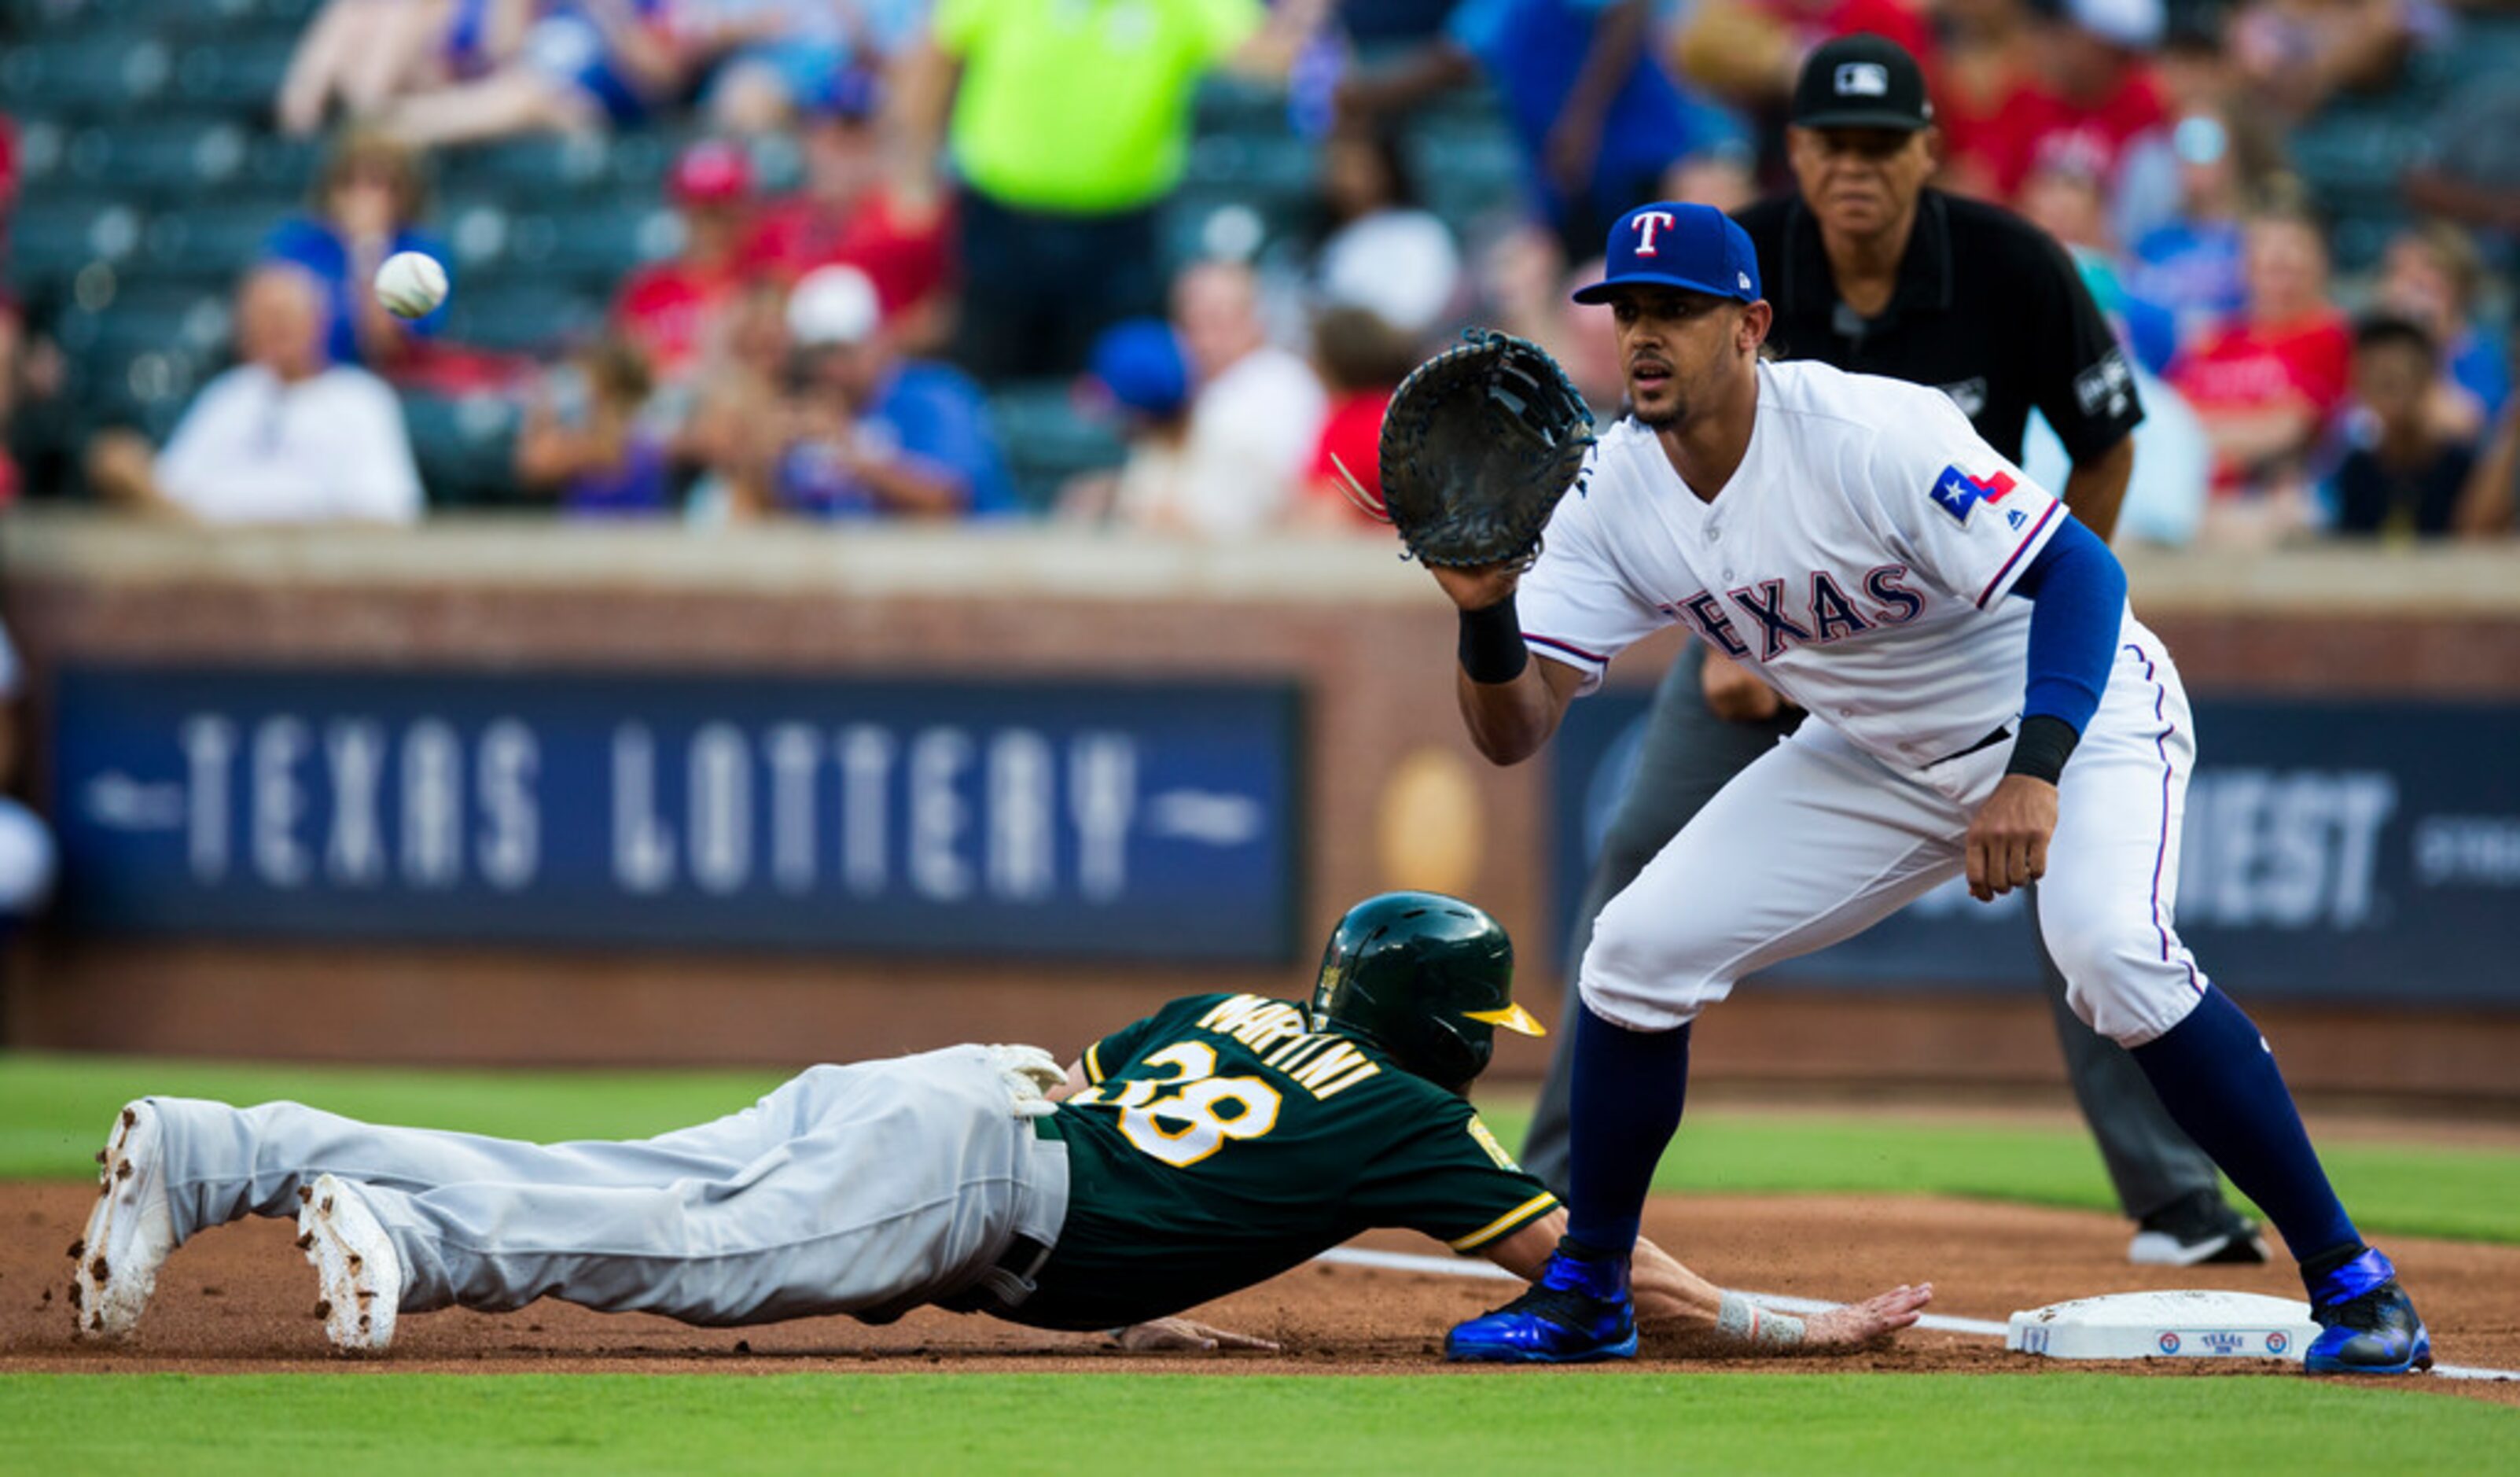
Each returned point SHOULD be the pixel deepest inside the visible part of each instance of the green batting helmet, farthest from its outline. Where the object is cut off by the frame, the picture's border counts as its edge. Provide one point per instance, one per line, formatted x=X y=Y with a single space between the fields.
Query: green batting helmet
x=1427 y=978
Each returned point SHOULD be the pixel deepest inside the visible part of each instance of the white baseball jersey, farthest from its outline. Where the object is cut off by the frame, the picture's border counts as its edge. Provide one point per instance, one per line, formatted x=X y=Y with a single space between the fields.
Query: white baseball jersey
x=1867 y=518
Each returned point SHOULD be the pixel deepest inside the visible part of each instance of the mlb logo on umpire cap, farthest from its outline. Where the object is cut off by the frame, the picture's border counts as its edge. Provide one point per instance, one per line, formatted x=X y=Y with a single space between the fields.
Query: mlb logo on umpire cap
x=1695 y=249
x=1862 y=79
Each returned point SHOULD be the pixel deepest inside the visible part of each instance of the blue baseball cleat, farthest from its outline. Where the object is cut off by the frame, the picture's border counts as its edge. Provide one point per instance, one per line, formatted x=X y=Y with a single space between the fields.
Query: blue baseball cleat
x=1577 y=1312
x=2367 y=1324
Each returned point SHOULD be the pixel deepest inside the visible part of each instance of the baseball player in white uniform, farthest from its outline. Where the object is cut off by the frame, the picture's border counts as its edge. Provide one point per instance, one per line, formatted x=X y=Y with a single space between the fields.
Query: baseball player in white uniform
x=1984 y=702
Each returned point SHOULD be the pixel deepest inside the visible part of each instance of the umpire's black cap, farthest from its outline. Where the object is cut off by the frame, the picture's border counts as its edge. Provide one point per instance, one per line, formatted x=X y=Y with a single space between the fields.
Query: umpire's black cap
x=1862 y=81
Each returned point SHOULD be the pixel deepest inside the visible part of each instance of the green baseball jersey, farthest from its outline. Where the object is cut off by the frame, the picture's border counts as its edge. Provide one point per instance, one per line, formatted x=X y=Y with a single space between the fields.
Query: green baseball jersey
x=1223 y=1141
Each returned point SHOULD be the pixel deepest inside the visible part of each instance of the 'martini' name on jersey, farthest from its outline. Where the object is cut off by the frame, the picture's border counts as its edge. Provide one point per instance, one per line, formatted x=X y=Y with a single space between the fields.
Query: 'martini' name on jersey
x=1322 y=1064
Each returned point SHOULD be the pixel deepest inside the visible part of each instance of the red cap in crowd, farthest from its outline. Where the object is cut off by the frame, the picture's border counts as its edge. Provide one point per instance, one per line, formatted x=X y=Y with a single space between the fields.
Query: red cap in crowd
x=712 y=172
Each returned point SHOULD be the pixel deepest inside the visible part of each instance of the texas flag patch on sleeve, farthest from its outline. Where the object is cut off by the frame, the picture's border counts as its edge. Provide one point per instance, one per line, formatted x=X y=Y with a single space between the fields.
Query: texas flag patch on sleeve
x=1958 y=494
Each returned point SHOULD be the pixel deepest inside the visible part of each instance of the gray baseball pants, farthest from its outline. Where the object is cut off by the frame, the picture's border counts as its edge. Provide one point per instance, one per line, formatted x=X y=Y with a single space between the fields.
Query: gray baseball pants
x=1687 y=756
x=863 y=1189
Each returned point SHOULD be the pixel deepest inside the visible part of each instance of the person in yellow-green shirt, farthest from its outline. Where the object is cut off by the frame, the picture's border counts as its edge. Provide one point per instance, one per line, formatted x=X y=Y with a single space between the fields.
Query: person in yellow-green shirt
x=1066 y=122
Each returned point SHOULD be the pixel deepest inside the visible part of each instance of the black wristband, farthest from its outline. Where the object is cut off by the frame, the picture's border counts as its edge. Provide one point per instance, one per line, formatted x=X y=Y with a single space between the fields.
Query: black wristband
x=1491 y=647
x=2044 y=744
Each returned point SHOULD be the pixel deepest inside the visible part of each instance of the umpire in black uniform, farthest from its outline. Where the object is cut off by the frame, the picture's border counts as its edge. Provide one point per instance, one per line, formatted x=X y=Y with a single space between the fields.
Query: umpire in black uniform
x=1871 y=271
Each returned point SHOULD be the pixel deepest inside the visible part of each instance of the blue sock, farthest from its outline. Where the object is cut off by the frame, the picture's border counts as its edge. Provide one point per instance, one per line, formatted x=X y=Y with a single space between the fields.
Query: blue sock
x=2215 y=1074
x=1623 y=1105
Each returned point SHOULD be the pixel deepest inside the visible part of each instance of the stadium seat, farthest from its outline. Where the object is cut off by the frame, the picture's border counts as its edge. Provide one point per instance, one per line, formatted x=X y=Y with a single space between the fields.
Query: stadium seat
x=234 y=75
x=160 y=160
x=149 y=391
x=1468 y=175
x=465 y=447
x=1229 y=103
x=282 y=165
x=141 y=317
x=53 y=237
x=531 y=170
x=85 y=73
x=288 y=13
x=637 y=165
x=778 y=163
x=520 y=316
x=597 y=245
x=1263 y=165
x=2487 y=45
x=476 y=231
x=208 y=242
x=1047 y=440
x=41 y=149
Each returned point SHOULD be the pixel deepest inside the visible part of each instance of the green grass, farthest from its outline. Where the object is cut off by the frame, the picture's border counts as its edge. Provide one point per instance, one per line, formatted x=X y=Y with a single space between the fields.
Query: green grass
x=2404 y=1190
x=1041 y=1425
x=53 y=1111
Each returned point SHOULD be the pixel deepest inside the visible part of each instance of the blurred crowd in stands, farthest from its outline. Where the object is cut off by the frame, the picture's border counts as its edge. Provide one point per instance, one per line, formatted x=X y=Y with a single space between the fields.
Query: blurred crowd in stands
x=1160 y=262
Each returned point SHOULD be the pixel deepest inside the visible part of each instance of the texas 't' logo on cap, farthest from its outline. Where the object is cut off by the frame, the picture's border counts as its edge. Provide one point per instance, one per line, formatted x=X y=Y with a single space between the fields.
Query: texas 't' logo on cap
x=1675 y=244
x=1647 y=224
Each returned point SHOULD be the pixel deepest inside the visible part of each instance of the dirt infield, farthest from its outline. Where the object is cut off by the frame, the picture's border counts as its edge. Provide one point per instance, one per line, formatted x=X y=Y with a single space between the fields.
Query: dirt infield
x=241 y=1299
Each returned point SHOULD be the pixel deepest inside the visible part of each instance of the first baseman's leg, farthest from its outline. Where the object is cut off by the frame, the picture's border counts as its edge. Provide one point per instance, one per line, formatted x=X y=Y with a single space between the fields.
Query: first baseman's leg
x=1811 y=845
x=2106 y=906
x=1686 y=755
x=2151 y=1163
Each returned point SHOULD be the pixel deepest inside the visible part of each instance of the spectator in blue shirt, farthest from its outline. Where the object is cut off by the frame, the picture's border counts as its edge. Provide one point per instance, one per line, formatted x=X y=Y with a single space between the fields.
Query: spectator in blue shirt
x=2191 y=265
x=1602 y=124
x=873 y=433
x=365 y=205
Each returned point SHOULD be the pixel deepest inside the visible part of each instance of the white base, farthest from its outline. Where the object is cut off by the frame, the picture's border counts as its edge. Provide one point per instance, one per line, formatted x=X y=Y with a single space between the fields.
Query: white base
x=2165 y=1325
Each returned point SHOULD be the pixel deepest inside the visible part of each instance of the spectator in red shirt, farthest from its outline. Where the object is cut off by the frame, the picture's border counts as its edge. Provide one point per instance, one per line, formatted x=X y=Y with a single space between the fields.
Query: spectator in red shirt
x=671 y=311
x=1990 y=53
x=846 y=215
x=2093 y=97
x=1361 y=359
x=2268 y=382
x=1750 y=51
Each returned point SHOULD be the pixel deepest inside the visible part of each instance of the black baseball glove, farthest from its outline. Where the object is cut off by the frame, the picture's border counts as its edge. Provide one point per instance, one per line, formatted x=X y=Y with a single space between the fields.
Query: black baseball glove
x=1479 y=444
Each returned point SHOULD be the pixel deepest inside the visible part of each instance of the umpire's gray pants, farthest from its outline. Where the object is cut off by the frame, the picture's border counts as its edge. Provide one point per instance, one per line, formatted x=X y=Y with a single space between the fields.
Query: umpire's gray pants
x=1687 y=756
x=861 y=1189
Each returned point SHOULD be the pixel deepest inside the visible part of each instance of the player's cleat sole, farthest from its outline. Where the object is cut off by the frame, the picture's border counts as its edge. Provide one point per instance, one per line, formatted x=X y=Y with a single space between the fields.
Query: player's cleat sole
x=2368 y=1326
x=129 y=1231
x=358 y=1272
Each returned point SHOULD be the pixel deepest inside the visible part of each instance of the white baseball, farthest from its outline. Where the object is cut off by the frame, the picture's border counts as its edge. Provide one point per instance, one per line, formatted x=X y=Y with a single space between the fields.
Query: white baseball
x=411 y=284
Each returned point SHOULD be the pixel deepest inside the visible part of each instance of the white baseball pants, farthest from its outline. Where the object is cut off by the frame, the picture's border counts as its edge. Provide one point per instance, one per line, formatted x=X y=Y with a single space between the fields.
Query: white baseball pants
x=1817 y=841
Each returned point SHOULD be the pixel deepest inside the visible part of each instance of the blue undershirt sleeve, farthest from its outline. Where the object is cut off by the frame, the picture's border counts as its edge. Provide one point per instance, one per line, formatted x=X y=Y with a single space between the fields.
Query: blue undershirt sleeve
x=2078 y=592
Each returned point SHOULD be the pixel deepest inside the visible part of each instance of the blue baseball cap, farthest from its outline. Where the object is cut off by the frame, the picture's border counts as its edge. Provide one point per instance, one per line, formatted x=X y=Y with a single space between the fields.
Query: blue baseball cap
x=1696 y=249
x=846 y=94
x=1141 y=366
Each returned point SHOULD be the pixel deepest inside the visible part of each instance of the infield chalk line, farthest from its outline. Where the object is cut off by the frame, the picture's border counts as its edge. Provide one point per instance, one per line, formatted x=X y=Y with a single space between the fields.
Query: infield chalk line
x=1471 y=1267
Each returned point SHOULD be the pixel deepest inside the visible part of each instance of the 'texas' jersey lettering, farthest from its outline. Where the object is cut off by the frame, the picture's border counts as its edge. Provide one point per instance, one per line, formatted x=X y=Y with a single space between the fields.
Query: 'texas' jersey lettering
x=1859 y=558
x=1826 y=613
